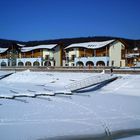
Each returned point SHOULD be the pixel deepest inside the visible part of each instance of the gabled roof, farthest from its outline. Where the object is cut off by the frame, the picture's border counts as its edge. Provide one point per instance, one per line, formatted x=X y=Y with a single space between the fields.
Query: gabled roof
x=2 y=50
x=90 y=45
x=27 y=49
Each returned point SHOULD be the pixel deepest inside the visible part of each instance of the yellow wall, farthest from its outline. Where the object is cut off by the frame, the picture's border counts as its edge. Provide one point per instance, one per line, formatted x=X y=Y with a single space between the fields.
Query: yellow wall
x=115 y=54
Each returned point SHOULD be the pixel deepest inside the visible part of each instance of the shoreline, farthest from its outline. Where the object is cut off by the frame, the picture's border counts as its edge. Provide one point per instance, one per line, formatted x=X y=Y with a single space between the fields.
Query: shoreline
x=74 y=69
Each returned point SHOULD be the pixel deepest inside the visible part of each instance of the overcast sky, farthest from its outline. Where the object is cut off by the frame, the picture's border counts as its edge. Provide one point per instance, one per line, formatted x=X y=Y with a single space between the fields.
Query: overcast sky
x=26 y=20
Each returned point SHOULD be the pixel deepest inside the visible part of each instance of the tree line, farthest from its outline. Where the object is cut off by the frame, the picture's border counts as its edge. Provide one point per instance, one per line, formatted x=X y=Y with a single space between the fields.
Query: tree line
x=67 y=41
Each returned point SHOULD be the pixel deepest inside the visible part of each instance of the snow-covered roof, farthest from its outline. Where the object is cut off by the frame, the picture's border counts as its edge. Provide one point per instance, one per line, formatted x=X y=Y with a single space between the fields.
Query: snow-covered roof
x=131 y=55
x=90 y=45
x=2 y=50
x=27 y=49
x=135 y=49
x=21 y=45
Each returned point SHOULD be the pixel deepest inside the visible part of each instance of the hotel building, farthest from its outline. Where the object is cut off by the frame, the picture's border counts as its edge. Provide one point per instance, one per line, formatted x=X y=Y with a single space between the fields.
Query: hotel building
x=104 y=53
x=41 y=55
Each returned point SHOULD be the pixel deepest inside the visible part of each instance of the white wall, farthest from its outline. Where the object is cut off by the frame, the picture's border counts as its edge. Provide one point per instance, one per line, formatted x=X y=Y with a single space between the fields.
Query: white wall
x=75 y=52
x=47 y=52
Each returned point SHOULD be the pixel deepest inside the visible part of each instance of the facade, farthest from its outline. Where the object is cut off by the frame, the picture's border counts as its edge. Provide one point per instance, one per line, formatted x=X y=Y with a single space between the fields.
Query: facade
x=8 y=56
x=41 y=55
x=106 y=53
x=133 y=57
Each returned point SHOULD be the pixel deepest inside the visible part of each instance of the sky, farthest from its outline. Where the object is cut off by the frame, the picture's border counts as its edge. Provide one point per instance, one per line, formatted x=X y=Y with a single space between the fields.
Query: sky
x=28 y=20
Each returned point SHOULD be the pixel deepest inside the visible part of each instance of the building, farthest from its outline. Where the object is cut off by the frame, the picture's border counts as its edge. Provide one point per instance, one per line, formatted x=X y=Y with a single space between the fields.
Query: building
x=133 y=57
x=9 y=55
x=41 y=55
x=105 y=53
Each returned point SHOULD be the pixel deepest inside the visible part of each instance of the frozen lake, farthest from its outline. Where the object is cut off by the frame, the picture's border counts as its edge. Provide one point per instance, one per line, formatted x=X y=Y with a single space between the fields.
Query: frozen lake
x=108 y=112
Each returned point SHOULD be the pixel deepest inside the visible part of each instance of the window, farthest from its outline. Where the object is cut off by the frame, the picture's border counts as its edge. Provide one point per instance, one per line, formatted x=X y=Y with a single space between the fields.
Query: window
x=122 y=54
x=112 y=63
x=72 y=57
x=46 y=57
x=120 y=63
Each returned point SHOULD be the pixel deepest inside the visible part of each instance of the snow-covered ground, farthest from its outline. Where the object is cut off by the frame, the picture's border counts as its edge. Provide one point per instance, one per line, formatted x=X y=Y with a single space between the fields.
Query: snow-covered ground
x=111 y=111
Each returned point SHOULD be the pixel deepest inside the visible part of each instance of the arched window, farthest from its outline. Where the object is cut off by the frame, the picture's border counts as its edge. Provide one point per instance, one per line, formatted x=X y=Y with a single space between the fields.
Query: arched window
x=36 y=63
x=28 y=63
x=20 y=64
x=3 y=64
x=90 y=63
x=47 y=63
x=100 y=63
x=80 y=64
